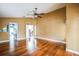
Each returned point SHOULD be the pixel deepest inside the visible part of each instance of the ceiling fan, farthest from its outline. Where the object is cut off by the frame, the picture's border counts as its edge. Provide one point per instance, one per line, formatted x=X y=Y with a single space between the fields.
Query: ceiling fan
x=35 y=14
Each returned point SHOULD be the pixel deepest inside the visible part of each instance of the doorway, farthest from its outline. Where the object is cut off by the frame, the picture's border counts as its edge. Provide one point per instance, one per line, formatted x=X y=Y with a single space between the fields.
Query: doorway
x=31 y=37
x=13 y=34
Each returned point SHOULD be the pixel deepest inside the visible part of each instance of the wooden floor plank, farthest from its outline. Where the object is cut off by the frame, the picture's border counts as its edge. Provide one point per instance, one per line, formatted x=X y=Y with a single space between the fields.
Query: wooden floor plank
x=44 y=48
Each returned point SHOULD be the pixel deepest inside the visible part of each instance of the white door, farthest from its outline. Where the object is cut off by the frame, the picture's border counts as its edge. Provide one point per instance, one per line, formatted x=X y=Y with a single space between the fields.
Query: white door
x=30 y=37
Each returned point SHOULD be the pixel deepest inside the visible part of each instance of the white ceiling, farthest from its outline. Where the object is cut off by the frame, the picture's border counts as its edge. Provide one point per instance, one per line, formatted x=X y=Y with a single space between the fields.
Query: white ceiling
x=22 y=9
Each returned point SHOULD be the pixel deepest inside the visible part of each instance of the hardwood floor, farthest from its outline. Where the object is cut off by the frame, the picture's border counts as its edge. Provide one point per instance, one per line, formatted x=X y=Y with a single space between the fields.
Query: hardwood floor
x=44 y=48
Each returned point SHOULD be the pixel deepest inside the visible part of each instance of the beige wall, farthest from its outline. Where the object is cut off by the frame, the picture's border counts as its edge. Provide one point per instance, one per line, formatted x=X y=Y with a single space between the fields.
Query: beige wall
x=72 y=36
x=52 y=25
x=21 y=22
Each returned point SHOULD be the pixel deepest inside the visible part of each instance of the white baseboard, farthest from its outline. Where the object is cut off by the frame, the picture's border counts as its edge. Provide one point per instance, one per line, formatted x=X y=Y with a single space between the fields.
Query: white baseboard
x=21 y=38
x=72 y=51
x=8 y=40
x=48 y=39
x=4 y=41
